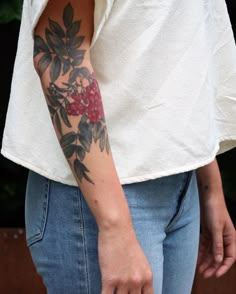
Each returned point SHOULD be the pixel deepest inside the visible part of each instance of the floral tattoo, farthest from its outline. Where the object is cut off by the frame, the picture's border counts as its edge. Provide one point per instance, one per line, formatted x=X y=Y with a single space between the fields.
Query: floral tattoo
x=79 y=97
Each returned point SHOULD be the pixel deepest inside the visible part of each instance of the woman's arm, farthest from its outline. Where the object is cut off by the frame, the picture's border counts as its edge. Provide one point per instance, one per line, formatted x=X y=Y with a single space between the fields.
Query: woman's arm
x=209 y=181
x=217 y=251
x=62 y=59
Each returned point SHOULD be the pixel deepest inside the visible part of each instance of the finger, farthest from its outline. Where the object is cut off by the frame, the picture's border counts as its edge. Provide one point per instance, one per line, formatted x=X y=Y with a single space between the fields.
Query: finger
x=200 y=258
x=206 y=263
x=210 y=271
x=230 y=245
x=138 y=291
x=229 y=254
x=122 y=290
x=227 y=263
x=217 y=247
x=210 y=267
x=217 y=254
x=147 y=289
x=107 y=289
x=203 y=250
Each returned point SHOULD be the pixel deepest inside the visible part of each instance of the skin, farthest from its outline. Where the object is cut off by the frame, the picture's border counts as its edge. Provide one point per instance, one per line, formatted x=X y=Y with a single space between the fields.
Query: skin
x=123 y=265
x=217 y=250
x=81 y=131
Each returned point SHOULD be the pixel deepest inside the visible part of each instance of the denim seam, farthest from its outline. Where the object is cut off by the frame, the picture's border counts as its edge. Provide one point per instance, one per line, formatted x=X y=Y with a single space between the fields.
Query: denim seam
x=45 y=207
x=39 y=236
x=84 y=243
x=183 y=195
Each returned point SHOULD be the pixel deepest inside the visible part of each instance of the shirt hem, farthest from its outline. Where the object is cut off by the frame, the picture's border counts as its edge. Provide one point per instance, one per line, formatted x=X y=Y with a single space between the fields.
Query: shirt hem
x=32 y=167
x=125 y=180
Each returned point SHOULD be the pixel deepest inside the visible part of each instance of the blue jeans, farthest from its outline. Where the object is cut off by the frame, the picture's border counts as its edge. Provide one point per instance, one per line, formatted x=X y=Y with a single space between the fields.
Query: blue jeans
x=62 y=234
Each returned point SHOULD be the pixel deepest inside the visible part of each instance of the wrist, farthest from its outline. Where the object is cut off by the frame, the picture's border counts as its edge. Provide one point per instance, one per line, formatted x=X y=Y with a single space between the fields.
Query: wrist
x=212 y=198
x=210 y=190
x=115 y=221
x=209 y=181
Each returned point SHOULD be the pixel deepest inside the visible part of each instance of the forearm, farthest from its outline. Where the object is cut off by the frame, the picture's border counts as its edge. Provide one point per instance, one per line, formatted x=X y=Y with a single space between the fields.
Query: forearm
x=62 y=60
x=217 y=234
x=209 y=182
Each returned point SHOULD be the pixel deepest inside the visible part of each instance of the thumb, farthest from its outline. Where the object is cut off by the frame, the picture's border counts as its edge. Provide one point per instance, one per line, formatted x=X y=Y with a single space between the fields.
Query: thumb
x=218 y=247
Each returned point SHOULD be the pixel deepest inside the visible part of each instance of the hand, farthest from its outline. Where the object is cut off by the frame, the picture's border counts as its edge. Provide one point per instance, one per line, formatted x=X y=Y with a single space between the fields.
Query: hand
x=217 y=249
x=123 y=265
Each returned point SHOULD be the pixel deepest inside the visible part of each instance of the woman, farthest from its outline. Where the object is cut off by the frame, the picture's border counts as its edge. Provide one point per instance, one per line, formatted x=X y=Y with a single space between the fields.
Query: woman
x=126 y=222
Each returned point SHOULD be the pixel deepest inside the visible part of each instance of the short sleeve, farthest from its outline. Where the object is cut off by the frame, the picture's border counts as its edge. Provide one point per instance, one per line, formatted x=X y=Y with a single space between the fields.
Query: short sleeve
x=36 y=9
x=101 y=11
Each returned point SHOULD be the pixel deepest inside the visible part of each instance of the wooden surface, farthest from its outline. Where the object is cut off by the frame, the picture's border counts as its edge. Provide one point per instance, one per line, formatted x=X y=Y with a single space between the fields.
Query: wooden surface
x=18 y=274
x=223 y=285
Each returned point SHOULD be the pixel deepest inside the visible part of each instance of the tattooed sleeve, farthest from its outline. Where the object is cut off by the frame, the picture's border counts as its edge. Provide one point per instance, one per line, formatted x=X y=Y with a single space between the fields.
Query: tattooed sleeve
x=61 y=55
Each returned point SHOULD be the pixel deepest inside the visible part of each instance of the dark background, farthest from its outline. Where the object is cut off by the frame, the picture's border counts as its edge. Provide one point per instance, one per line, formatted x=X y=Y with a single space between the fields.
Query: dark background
x=13 y=177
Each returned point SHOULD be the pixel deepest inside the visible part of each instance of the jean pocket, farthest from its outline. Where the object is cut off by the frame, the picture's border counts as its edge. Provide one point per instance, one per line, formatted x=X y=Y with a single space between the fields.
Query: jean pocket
x=36 y=207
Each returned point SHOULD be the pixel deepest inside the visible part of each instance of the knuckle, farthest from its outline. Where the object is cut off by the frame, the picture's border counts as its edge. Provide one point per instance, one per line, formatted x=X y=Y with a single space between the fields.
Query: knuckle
x=149 y=277
x=219 y=246
x=108 y=281
x=137 y=280
x=123 y=281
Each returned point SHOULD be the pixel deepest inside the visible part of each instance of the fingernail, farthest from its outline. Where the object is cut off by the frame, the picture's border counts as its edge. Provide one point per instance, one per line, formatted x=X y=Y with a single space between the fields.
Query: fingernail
x=219 y=258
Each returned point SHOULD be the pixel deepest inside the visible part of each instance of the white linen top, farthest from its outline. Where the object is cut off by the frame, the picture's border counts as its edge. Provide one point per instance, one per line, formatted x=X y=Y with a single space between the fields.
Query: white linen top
x=167 y=74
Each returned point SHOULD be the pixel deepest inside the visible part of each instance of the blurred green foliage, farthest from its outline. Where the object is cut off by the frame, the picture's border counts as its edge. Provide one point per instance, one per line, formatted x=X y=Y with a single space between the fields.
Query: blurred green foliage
x=10 y=10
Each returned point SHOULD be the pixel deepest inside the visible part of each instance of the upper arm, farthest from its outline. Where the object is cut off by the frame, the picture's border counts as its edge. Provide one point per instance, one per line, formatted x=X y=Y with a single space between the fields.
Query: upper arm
x=66 y=28
x=62 y=39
